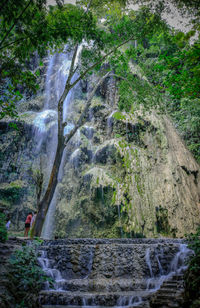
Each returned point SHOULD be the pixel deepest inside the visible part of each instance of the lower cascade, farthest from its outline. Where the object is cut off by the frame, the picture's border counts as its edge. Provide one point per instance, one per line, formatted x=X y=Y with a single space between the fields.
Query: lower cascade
x=113 y=272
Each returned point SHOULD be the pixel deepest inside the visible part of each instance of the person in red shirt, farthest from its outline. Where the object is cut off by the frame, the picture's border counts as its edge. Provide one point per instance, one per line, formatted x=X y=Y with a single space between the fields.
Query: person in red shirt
x=27 y=224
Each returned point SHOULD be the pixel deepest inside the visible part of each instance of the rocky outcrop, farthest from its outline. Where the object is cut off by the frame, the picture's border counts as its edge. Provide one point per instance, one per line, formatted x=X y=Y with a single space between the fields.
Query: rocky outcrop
x=131 y=175
x=122 y=175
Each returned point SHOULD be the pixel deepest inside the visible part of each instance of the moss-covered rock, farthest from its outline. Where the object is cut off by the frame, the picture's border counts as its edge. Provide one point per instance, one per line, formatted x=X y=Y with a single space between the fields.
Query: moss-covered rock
x=129 y=187
x=12 y=192
x=122 y=174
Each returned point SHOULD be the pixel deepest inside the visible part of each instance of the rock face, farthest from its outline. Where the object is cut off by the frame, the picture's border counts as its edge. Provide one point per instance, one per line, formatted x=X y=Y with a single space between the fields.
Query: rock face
x=19 y=160
x=130 y=176
x=114 y=273
x=122 y=175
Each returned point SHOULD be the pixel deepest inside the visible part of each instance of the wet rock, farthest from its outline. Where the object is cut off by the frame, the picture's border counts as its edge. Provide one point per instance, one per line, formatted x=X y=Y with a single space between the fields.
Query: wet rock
x=105 y=154
x=112 y=273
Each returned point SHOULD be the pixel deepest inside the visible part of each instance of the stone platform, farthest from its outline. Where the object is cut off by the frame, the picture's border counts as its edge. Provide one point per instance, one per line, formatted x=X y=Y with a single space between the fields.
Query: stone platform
x=114 y=273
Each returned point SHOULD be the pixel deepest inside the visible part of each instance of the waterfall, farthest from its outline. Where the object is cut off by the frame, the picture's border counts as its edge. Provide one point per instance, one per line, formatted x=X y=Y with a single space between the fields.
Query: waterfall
x=114 y=272
x=45 y=122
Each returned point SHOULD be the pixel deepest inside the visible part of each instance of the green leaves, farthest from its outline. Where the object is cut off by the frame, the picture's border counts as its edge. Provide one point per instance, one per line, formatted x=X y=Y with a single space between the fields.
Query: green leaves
x=192 y=278
x=70 y=22
x=3 y=230
x=25 y=276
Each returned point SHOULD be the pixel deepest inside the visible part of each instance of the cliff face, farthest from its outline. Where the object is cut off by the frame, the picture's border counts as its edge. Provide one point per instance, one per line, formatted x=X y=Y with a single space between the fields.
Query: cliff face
x=123 y=174
x=132 y=175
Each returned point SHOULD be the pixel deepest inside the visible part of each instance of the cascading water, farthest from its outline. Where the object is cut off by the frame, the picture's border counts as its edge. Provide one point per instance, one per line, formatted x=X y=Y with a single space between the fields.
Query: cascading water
x=114 y=273
x=53 y=273
x=45 y=123
x=57 y=72
x=118 y=273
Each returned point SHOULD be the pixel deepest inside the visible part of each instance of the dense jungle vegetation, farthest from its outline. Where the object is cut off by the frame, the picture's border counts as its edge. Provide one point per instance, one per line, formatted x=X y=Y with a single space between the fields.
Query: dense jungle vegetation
x=167 y=59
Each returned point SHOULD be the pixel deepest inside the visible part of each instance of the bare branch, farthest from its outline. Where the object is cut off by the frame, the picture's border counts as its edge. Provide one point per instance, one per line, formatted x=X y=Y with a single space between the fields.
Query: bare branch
x=74 y=71
x=13 y=42
x=71 y=71
x=84 y=113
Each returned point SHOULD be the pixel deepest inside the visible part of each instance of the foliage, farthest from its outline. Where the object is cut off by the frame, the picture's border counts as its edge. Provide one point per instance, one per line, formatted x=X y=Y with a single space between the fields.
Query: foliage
x=164 y=73
x=188 y=119
x=118 y=116
x=3 y=230
x=12 y=192
x=192 y=277
x=19 y=33
x=154 y=45
x=177 y=72
x=162 y=223
x=25 y=276
x=29 y=30
x=188 y=9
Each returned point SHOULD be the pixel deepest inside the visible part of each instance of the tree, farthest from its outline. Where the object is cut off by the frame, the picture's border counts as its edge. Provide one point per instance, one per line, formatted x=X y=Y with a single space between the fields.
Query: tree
x=16 y=26
x=27 y=28
x=101 y=44
x=104 y=44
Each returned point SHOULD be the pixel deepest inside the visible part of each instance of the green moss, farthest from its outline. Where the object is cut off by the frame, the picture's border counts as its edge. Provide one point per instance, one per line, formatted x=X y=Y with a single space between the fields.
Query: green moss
x=122 y=144
x=162 y=223
x=96 y=101
x=12 y=192
x=119 y=116
x=4 y=203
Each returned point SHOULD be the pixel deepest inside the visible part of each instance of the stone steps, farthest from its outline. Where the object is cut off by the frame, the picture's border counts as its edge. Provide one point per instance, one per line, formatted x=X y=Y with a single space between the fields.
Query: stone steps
x=170 y=294
x=125 y=241
x=100 y=273
x=92 y=299
x=109 y=285
x=139 y=305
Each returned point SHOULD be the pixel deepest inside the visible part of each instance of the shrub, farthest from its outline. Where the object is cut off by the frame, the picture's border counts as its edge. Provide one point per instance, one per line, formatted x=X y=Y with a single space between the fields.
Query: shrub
x=192 y=277
x=3 y=230
x=26 y=278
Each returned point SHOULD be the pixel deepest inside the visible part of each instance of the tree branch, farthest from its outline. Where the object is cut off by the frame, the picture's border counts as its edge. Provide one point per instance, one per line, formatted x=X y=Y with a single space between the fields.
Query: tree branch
x=71 y=71
x=98 y=62
x=74 y=71
x=15 y=22
x=67 y=85
x=13 y=42
x=83 y=114
x=88 y=6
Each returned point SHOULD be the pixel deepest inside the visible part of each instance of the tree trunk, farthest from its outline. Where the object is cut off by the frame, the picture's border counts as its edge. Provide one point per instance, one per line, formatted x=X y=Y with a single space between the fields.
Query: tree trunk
x=46 y=200
x=62 y=141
